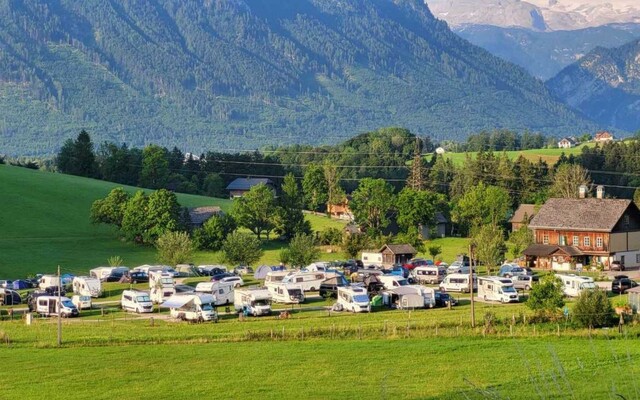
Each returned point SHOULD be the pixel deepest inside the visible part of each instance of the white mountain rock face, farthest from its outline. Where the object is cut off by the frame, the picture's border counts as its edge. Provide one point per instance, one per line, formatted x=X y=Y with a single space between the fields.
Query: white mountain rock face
x=543 y=15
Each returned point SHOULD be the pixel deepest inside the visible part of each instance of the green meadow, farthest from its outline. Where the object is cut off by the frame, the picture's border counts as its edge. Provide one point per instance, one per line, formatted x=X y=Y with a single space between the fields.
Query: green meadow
x=551 y=156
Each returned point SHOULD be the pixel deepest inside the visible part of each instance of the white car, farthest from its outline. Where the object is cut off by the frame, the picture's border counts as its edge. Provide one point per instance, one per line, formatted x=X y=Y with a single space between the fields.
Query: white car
x=236 y=280
x=458 y=268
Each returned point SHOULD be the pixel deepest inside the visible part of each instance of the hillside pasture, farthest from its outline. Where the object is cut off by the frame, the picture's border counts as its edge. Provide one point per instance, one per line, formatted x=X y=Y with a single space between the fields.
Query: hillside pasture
x=551 y=155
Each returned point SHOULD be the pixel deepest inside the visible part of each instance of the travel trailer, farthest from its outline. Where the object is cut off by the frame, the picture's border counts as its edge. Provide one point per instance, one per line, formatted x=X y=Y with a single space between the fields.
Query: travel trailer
x=221 y=291
x=354 y=299
x=275 y=277
x=48 y=282
x=286 y=293
x=457 y=283
x=495 y=288
x=136 y=301
x=87 y=286
x=573 y=285
x=309 y=281
x=253 y=301
x=196 y=307
x=371 y=258
x=429 y=274
x=49 y=305
x=161 y=285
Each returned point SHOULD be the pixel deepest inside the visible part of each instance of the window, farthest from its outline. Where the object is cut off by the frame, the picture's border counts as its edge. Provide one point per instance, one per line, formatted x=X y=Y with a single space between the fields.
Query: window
x=587 y=241
x=563 y=240
x=576 y=240
x=545 y=238
x=637 y=258
x=599 y=242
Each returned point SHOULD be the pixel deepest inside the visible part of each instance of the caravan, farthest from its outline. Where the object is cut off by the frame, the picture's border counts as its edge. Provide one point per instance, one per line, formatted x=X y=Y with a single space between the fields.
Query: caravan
x=192 y=307
x=573 y=285
x=161 y=285
x=354 y=299
x=221 y=291
x=253 y=301
x=275 y=277
x=49 y=305
x=49 y=282
x=86 y=286
x=458 y=283
x=309 y=281
x=429 y=274
x=137 y=301
x=495 y=288
x=371 y=258
x=286 y=293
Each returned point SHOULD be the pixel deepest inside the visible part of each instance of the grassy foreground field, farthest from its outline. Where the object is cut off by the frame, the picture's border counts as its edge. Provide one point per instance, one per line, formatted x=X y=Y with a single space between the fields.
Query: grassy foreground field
x=44 y=220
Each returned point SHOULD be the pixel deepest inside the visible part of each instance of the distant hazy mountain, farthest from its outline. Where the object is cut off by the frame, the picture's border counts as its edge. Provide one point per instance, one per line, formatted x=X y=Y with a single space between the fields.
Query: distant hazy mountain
x=605 y=85
x=544 y=54
x=543 y=15
x=204 y=74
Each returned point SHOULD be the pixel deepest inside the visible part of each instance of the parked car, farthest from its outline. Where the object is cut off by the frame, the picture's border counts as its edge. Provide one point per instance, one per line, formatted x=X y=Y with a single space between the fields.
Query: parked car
x=417 y=262
x=243 y=270
x=457 y=267
x=138 y=277
x=219 y=277
x=617 y=266
x=524 y=282
x=443 y=299
x=6 y=284
x=115 y=276
x=510 y=270
x=622 y=283
x=235 y=280
x=172 y=272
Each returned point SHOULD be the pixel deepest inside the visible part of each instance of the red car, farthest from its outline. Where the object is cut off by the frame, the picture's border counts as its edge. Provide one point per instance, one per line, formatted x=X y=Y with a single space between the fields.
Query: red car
x=417 y=262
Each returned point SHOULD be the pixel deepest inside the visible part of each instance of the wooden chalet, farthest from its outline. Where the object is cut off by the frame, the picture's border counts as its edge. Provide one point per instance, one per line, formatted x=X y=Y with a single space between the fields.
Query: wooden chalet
x=240 y=186
x=522 y=216
x=397 y=253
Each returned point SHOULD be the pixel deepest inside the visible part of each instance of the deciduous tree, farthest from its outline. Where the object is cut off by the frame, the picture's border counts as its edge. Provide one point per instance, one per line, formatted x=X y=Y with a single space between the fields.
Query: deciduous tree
x=174 y=248
x=314 y=186
x=241 y=249
x=256 y=210
x=371 y=203
x=488 y=242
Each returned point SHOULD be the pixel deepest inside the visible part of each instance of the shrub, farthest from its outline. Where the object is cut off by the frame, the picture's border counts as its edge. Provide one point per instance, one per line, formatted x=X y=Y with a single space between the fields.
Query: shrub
x=546 y=297
x=302 y=250
x=174 y=248
x=330 y=237
x=241 y=249
x=593 y=309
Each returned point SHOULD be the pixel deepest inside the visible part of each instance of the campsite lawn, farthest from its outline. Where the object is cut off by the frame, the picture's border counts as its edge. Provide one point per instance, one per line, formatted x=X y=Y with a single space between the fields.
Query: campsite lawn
x=44 y=220
x=551 y=155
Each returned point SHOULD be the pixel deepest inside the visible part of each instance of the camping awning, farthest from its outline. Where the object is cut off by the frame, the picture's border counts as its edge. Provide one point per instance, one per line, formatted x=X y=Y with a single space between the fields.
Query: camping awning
x=405 y=290
x=176 y=301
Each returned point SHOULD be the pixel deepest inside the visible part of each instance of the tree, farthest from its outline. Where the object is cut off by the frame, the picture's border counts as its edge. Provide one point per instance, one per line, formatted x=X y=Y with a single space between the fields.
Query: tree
x=174 y=248
x=434 y=251
x=134 y=219
x=76 y=157
x=567 y=179
x=290 y=217
x=256 y=210
x=593 y=309
x=155 y=167
x=520 y=240
x=241 y=249
x=483 y=205
x=335 y=193
x=416 y=179
x=489 y=245
x=163 y=214
x=314 y=186
x=636 y=196
x=547 y=297
x=417 y=207
x=214 y=231
x=110 y=210
x=214 y=185
x=371 y=203
x=353 y=244
x=302 y=250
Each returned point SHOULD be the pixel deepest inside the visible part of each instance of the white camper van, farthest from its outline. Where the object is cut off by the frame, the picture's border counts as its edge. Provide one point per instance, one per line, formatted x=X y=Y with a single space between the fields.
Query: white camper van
x=573 y=285
x=310 y=281
x=495 y=288
x=81 y=302
x=161 y=285
x=196 y=307
x=49 y=305
x=371 y=258
x=392 y=281
x=221 y=291
x=458 y=283
x=137 y=301
x=253 y=301
x=429 y=274
x=48 y=281
x=87 y=286
x=354 y=299
x=286 y=293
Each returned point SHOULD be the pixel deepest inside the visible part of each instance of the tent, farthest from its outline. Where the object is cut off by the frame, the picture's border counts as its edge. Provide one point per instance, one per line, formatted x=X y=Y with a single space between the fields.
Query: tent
x=9 y=297
x=67 y=279
x=263 y=270
x=20 y=284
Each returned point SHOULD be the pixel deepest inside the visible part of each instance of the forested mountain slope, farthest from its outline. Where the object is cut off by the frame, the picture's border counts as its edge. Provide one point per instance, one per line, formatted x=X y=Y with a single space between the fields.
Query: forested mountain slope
x=224 y=74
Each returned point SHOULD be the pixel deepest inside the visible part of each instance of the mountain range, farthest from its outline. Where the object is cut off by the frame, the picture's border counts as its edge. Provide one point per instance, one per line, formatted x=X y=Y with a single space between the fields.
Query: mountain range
x=242 y=74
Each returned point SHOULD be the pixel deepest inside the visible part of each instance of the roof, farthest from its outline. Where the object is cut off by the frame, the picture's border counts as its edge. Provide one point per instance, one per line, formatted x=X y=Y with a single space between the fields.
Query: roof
x=441 y=219
x=604 y=135
x=568 y=139
x=592 y=214
x=528 y=210
x=199 y=215
x=248 y=183
x=399 y=249
x=546 y=250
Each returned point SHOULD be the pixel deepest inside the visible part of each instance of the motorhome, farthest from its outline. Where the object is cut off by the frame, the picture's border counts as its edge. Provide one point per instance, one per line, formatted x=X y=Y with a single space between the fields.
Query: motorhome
x=354 y=299
x=103 y=273
x=161 y=285
x=136 y=301
x=392 y=281
x=253 y=301
x=275 y=277
x=49 y=305
x=495 y=288
x=458 y=283
x=371 y=258
x=286 y=293
x=221 y=291
x=48 y=282
x=310 y=281
x=429 y=274
x=197 y=307
x=81 y=302
x=87 y=286
x=573 y=285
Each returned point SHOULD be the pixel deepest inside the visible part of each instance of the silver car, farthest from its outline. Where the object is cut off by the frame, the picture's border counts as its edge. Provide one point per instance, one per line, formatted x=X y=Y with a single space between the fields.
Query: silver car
x=524 y=282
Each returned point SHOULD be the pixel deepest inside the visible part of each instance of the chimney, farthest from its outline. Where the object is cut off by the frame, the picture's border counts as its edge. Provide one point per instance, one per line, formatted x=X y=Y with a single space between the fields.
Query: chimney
x=582 y=191
x=600 y=192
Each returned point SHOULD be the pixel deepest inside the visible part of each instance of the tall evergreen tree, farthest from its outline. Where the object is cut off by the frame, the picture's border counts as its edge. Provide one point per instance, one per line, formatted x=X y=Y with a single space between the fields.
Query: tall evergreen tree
x=291 y=219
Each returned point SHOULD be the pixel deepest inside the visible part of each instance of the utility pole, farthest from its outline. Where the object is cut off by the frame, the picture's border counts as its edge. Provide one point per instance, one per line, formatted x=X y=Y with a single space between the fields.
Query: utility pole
x=59 y=308
x=471 y=266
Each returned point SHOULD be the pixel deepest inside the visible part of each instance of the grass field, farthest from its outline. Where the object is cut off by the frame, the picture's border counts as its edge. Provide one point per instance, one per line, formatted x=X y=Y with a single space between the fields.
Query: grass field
x=551 y=156
x=44 y=220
